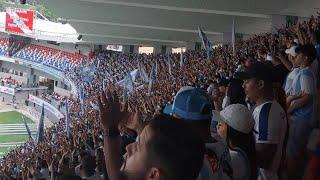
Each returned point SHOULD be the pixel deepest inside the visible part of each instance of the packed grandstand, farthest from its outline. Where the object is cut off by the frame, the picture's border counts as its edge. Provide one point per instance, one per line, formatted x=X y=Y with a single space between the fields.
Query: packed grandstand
x=247 y=110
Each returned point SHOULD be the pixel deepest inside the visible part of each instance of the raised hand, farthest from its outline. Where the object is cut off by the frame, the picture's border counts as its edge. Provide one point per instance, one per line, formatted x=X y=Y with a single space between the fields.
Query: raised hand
x=111 y=113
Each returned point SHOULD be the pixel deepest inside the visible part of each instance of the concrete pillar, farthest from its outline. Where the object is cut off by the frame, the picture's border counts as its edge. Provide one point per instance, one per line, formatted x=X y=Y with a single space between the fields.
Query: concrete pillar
x=126 y=48
x=191 y=46
x=277 y=22
x=30 y=76
x=36 y=78
x=168 y=49
x=227 y=38
x=135 y=49
x=157 y=49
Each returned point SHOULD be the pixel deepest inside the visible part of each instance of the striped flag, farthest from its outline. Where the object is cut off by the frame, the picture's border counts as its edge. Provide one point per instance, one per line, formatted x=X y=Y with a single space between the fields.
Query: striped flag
x=152 y=78
x=142 y=73
x=206 y=43
x=210 y=51
x=169 y=65
x=27 y=128
x=40 y=134
x=204 y=39
x=94 y=106
x=81 y=100
x=98 y=65
x=156 y=70
x=181 y=59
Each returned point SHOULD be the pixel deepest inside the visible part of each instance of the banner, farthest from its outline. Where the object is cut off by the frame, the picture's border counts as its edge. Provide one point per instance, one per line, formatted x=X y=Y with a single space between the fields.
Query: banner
x=20 y=21
x=47 y=106
x=7 y=90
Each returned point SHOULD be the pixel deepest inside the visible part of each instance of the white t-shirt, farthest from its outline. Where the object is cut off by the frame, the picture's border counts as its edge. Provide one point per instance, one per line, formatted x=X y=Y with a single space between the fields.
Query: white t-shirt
x=217 y=163
x=271 y=125
x=240 y=165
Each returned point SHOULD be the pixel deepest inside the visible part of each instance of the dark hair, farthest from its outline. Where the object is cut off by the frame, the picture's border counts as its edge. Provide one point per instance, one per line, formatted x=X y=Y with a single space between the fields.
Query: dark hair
x=316 y=36
x=245 y=142
x=309 y=51
x=88 y=165
x=101 y=165
x=175 y=147
x=236 y=92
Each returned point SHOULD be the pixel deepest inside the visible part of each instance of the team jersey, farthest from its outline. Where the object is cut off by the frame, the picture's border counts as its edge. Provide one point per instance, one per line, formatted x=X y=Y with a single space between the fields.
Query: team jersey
x=271 y=126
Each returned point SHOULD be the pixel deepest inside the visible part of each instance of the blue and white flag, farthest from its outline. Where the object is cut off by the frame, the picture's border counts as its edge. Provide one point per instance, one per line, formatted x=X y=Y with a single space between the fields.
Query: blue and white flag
x=233 y=38
x=40 y=133
x=181 y=59
x=127 y=82
x=169 y=65
x=142 y=73
x=81 y=96
x=209 y=51
x=153 y=72
x=88 y=73
x=150 y=86
x=206 y=43
x=98 y=65
x=204 y=39
x=156 y=70
x=67 y=120
x=152 y=78
x=134 y=74
x=27 y=128
x=94 y=106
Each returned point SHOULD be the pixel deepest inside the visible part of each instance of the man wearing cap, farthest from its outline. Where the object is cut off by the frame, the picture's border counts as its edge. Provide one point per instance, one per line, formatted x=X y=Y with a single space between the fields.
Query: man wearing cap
x=193 y=106
x=301 y=103
x=294 y=70
x=270 y=119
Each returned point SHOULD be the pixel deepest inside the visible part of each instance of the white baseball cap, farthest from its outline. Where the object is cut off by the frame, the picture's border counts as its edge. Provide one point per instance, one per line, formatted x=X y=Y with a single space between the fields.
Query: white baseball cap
x=236 y=116
x=292 y=51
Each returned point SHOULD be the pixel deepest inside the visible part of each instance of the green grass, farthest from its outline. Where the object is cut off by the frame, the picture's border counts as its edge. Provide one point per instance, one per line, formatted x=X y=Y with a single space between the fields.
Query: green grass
x=5 y=149
x=12 y=117
x=13 y=138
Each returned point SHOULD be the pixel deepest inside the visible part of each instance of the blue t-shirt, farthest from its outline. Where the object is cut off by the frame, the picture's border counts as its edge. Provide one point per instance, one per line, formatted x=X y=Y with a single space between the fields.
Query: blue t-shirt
x=304 y=82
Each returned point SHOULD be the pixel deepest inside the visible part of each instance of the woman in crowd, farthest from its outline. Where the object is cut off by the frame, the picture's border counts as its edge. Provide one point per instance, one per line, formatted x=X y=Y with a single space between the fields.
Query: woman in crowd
x=235 y=125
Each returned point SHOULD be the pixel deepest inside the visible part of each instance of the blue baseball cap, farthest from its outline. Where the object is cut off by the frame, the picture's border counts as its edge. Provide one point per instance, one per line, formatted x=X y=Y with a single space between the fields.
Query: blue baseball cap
x=190 y=103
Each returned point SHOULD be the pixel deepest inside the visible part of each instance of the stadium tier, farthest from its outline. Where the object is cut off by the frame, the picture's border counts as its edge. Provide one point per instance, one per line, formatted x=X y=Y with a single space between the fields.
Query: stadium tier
x=60 y=60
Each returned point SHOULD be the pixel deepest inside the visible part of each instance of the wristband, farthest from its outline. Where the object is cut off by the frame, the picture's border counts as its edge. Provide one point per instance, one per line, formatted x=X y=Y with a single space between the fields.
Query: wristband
x=112 y=132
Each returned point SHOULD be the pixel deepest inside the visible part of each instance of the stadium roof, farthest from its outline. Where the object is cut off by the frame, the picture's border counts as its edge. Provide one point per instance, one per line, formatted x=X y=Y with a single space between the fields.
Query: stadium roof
x=172 y=22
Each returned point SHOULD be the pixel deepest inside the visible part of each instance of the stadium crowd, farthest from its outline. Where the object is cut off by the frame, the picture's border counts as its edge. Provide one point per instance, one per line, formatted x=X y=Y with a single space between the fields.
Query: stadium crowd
x=242 y=115
x=9 y=81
